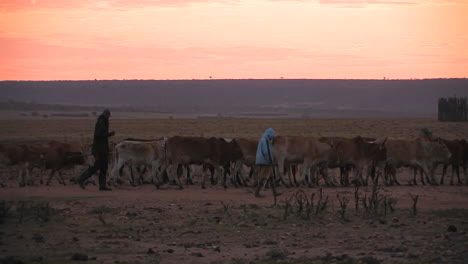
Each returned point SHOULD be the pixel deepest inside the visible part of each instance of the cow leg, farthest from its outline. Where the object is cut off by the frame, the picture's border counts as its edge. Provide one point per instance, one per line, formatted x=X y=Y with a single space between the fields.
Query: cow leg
x=287 y=172
x=329 y=179
x=281 y=173
x=429 y=172
x=444 y=170
x=60 y=178
x=453 y=172
x=293 y=171
x=174 y=175
x=457 y=171
x=118 y=176
x=357 y=176
x=252 y=174
x=29 y=177
x=237 y=173
x=369 y=174
x=189 y=175
x=415 y=175
x=395 y=180
x=234 y=173
x=342 y=175
x=464 y=173
x=51 y=174
x=421 y=173
x=306 y=169
x=177 y=175
x=312 y=178
x=132 y=177
x=140 y=172
x=21 y=181
x=459 y=182
x=41 y=176
x=225 y=172
x=346 y=169
x=184 y=170
x=204 y=172
x=156 y=171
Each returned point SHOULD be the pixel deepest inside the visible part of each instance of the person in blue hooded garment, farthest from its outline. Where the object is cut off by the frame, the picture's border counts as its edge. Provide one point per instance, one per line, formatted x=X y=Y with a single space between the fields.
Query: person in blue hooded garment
x=265 y=161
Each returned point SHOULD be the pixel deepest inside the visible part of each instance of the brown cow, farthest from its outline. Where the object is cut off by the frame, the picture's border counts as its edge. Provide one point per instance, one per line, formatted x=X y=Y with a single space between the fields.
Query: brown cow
x=308 y=151
x=415 y=153
x=457 y=149
x=25 y=157
x=214 y=152
x=248 y=148
x=63 y=155
x=359 y=153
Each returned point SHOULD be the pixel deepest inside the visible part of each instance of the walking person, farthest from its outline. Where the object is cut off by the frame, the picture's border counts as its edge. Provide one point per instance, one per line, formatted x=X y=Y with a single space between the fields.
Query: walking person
x=100 y=151
x=265 y=162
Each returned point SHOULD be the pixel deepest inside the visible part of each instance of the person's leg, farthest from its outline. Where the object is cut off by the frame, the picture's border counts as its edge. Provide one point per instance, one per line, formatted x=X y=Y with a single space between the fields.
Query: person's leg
x=103 y=165
x=86 y=175
x=263 y=175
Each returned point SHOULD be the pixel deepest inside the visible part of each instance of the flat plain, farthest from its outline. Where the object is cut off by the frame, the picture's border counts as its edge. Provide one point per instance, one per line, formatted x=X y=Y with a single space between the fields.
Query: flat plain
x=63 y=224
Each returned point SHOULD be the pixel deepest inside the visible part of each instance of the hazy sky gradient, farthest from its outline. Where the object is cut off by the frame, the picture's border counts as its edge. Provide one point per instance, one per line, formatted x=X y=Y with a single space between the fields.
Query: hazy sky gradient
x=185 y=39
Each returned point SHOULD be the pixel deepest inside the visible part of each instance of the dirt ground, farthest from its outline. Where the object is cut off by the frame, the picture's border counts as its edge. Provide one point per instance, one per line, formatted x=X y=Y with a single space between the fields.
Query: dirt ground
x=64 y=224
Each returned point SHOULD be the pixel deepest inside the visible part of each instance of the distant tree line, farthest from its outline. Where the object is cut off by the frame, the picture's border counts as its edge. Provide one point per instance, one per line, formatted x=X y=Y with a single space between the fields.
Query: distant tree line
x=453 y=109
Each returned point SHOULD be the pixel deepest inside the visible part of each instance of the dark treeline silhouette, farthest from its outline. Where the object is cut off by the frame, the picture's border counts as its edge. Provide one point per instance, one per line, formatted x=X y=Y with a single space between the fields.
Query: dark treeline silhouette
x=453 y=109
x=415 y=97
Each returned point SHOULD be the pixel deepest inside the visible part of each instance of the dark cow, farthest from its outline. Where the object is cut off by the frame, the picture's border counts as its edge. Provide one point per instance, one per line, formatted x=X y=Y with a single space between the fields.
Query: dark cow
x=208 y=152
x=361 y=154
x=457 y=148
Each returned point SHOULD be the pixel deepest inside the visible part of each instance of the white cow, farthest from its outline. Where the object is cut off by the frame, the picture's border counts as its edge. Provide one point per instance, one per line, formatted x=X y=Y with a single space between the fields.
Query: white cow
x=135 y=154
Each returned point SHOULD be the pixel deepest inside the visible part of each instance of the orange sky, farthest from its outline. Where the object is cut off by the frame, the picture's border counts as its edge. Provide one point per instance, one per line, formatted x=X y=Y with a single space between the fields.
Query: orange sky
x=185 y=39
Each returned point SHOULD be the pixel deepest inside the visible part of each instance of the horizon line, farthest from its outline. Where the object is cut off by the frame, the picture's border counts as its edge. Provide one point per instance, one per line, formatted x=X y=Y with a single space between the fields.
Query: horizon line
x=240 y=79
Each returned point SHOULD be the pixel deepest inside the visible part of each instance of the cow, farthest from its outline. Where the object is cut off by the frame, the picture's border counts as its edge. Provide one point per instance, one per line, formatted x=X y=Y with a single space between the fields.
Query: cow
x=248 y=149
x=25 y=157
x=360 y=153
x=60 y=155
x=150 y=154
x=229 y=152
x=208 y=152
x=415 y=153
x=457 y=149
x=308 y=151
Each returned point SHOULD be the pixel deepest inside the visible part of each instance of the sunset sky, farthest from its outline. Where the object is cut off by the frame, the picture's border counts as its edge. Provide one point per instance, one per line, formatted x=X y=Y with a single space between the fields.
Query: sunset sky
x=186 y=39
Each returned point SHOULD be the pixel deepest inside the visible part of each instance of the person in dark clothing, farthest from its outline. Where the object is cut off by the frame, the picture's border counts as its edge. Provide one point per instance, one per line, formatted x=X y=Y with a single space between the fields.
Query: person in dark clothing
x=100 y=151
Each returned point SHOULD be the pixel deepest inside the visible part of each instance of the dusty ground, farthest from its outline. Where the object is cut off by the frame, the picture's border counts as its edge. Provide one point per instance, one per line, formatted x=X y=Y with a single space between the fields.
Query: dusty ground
x=61 y=224
x=143 y=225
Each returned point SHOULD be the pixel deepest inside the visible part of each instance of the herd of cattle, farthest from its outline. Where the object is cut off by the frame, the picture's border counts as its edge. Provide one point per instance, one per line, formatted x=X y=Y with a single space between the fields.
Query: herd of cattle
x=299 y=160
